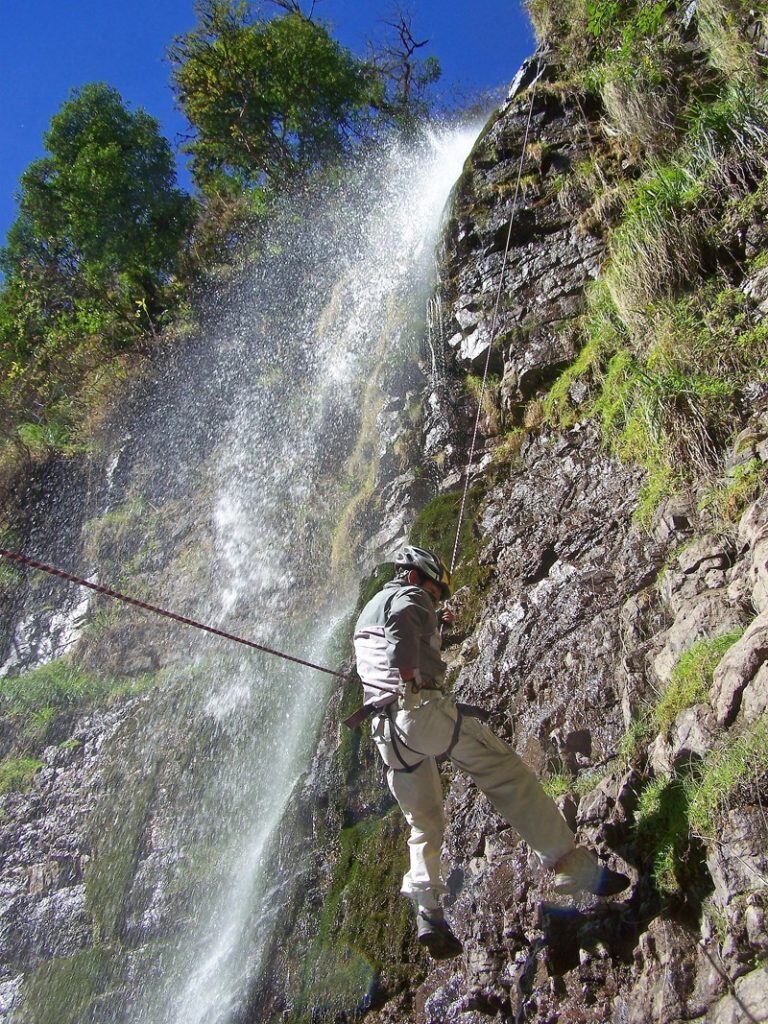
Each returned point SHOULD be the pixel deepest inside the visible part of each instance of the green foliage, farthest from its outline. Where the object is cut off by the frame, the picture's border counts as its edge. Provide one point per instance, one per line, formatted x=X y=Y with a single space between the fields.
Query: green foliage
x=17 y=774
x=40 y=701
x=104 y=202
x=662 y=833
x=691 y=678
x=268 y=99
x=739 y=765
x=86 y=267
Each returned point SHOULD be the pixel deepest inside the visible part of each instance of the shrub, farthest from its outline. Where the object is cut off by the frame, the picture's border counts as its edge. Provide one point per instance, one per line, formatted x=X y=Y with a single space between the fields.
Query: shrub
x=691 y=678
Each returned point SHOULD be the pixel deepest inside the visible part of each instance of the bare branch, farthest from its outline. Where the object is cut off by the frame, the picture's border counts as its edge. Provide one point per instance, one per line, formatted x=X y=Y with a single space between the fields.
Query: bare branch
x=294 y=7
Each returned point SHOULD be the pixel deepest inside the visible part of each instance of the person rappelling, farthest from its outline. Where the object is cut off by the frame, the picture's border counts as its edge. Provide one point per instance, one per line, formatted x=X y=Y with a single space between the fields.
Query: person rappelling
x=416 y=722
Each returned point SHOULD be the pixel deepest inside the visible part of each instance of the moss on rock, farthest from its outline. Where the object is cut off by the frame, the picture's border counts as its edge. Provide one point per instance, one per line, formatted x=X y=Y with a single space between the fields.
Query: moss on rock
x=364 y=938
x=66 y=990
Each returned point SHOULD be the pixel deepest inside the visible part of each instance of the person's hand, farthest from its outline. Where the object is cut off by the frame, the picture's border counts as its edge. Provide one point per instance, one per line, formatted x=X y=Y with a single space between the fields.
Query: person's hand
x=446 y=617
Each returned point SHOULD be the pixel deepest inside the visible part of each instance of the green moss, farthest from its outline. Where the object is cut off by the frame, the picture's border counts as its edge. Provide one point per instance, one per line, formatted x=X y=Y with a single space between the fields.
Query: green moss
x=65 y=990
x=116 y=833
x=18 y=773
x=740 y=763
x=435 y=528
x=691 y=678
x=364 y=925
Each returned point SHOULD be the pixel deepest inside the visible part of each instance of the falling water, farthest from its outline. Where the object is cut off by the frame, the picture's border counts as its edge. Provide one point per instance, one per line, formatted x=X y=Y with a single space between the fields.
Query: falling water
x=267 y=426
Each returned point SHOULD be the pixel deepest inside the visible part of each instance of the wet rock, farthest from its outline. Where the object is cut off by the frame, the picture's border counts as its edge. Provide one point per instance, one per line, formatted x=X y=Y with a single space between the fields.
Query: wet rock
x=663 y=977
x=753 y=536
x=738 y=861
x=756 y=924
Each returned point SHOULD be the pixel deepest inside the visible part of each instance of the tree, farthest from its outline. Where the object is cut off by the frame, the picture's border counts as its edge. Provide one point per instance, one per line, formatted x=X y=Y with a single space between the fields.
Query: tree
x=87 y=264
x=268 y=99
x=103 y=205
x=405 y=76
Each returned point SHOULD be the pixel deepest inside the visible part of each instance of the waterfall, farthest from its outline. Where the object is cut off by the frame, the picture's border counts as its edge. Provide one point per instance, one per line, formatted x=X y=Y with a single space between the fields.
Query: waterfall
x=262 y=441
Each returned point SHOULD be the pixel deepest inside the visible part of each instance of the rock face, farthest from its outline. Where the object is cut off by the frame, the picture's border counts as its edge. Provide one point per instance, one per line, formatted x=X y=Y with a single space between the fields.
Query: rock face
x=579 y=630
x=574 y=628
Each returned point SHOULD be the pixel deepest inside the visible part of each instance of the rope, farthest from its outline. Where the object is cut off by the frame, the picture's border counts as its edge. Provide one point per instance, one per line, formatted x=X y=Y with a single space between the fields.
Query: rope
x=13 y=556
x=494 y=321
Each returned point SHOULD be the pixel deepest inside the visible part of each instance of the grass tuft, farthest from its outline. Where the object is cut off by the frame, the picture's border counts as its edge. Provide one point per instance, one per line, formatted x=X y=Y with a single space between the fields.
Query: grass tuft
x=742 y=762
x=18 y=773
x=691 y=678
x=662 y=832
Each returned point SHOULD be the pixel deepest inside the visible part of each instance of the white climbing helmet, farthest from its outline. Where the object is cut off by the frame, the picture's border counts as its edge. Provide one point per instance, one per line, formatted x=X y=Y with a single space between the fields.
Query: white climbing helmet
x=427 y=563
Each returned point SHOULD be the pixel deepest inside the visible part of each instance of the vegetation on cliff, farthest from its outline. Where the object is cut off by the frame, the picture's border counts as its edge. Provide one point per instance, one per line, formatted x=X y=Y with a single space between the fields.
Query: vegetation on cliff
x=672 y=342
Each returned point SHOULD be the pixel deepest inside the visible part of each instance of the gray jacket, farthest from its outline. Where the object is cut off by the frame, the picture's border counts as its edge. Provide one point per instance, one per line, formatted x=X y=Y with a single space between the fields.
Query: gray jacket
x=398 y=628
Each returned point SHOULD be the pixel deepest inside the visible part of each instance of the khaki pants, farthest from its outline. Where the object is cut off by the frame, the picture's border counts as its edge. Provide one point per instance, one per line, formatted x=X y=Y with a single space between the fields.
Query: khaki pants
x=425 y=722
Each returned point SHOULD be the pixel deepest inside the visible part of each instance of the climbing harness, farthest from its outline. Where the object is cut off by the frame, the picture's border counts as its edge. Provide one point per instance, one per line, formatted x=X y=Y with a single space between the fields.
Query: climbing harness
x=494 y=322
x=396 y=740
x=14 y=556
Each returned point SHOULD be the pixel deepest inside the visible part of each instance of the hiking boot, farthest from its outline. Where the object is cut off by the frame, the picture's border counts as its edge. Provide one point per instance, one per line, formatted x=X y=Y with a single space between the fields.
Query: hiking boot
x=579 y=872
x=435 y=933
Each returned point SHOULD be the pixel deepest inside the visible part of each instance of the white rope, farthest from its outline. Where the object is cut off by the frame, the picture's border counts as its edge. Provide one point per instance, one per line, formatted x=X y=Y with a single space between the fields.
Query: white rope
x=494 y=321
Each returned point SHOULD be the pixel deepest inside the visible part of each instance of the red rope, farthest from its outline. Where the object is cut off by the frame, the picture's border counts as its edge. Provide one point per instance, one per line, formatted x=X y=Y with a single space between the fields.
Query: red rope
x=13 y=556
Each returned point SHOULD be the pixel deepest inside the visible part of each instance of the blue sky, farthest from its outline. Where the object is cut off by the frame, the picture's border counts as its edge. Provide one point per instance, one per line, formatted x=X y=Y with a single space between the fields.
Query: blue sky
x=48 y=47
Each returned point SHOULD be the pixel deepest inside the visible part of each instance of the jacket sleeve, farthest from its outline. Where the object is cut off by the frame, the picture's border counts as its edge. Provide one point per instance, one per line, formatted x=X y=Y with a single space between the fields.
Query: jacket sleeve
x=403 y=628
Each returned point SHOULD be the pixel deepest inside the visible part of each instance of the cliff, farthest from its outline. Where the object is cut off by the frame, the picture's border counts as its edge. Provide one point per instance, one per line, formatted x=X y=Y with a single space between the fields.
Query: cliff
x=611 y=588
